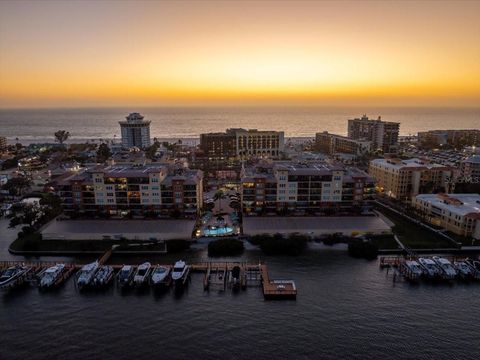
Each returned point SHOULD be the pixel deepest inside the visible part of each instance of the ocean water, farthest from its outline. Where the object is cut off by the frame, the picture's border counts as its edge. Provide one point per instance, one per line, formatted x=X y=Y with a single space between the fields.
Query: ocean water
x=38 y=125
x=346 y=309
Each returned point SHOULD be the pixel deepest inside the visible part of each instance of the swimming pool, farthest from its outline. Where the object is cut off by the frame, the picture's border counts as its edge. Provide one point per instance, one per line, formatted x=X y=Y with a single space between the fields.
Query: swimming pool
x=218 y=231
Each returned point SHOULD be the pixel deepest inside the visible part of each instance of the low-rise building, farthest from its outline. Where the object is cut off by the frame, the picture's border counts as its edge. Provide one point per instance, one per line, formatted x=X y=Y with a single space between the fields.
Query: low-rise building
x=470 y=168
x=314 y=188
x=135 y=190
x=402 y=179
x=458 y=213
x=332 y=144
x=457 y=138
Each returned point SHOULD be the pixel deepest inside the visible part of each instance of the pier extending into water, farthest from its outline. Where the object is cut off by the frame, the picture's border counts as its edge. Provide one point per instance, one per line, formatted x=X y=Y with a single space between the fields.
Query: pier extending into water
x=218 y=275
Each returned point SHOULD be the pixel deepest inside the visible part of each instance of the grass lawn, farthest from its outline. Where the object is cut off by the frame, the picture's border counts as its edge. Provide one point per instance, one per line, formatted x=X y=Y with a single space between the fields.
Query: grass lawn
x=384 y=241
x=413 y=235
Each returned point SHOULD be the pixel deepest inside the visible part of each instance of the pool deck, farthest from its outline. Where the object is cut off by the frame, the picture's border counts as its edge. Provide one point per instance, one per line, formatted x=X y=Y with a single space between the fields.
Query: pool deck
x=130 y=229
x=314 y=225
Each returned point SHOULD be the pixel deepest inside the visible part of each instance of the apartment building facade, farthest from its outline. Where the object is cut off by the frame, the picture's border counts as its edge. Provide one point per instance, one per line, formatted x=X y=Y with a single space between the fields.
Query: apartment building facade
x=332 y=144
x=458 y=213
x=312 y=188
x=134 y=190
x=470 y=169
x=243 y=144
x=402 y=179
x=382 y=134
x=220 y=145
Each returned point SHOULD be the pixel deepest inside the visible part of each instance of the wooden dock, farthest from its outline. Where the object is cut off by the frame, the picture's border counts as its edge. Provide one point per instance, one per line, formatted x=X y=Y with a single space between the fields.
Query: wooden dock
x=277 y=289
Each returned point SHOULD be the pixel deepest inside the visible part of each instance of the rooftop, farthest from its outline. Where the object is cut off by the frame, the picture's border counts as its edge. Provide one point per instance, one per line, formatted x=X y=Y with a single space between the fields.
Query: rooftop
x=461 y=204
x=414 y=163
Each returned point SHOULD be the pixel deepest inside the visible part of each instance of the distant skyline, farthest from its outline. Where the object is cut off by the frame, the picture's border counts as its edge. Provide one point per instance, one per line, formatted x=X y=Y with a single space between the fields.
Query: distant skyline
x=194 y=53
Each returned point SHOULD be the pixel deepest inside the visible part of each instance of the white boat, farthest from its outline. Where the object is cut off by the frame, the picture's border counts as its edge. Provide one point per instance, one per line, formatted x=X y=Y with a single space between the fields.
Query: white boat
x=12 y=274
x=141 y=275
x=159 y=274
x=125 y=275
x=179 y=270
x=86 y=274
x=51 y=275
x=103 y=276
x=430 y=267
x=414 y=270
x=464 y=270
x=475 y=266
x=448 y=270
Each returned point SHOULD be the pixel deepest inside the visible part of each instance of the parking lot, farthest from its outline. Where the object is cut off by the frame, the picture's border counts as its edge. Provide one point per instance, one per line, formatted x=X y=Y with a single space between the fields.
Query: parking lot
x=313 y=225
x=130 y=229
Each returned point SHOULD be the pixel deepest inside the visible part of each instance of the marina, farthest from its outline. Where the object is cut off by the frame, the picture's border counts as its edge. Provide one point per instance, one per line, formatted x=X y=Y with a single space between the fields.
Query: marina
x=444 y=268
x=217 y=275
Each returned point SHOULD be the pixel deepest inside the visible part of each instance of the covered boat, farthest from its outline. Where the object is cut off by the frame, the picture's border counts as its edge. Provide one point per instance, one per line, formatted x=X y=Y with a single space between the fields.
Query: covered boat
x=51 y=275
x=11 y=275
x=448 y=271
x=413 y=269
x=103 y=276
x=125 y=275
x=86 y=274
x=464 y=270
x=430 y=267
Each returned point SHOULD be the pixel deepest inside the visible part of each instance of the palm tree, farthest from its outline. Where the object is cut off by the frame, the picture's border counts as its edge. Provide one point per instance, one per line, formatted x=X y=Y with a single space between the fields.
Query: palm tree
x=218 y=196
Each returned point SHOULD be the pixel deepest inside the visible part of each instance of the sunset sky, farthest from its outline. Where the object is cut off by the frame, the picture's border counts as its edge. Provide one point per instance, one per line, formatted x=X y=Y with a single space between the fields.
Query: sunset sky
x=88 y=53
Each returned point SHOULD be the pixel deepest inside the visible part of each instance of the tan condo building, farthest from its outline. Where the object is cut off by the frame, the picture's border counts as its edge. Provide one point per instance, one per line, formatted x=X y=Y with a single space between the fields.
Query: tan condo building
x=458 y=213
x=402 y=179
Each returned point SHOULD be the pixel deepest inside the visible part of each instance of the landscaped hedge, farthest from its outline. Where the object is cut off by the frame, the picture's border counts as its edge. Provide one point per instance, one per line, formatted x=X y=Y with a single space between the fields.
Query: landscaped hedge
x=360 y=248
x=176 y=246
x=225 y=247
x=278 y=244
x=32 y=241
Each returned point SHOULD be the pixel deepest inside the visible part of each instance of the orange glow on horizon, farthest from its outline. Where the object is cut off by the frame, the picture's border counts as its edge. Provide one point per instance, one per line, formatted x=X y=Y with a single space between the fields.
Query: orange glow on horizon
x=160 y=53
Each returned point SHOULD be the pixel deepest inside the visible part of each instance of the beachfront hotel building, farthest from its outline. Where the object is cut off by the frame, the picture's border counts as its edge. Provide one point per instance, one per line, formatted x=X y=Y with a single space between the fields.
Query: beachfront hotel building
x=334 y=144
x=3 y=143
x=243 y=144
x=305 y=188
x=382 y=134
x=135 y=131
x=132 y=190
x=458 y=213
x=402 y=179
